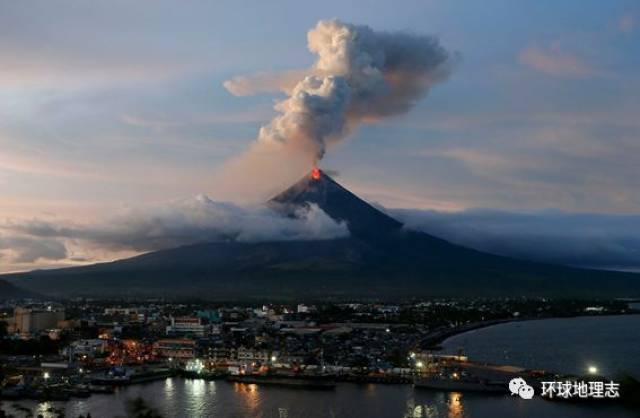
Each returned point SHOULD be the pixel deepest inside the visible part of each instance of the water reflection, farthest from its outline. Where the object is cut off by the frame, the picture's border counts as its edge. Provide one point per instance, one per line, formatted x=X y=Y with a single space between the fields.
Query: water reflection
x=438 y=404
x=196 y=388
x=196 y=395
x=249 y=395
x=424 y=410
x=456 y=408
x=283 y=413
x=169 y=391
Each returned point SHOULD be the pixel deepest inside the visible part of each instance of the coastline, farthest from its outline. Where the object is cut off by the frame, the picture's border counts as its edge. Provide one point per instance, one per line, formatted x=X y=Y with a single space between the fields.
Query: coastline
x=438 y=337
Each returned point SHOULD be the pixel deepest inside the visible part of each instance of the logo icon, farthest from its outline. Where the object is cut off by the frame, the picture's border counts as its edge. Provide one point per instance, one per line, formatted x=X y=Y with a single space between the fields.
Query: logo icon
x=518 y=386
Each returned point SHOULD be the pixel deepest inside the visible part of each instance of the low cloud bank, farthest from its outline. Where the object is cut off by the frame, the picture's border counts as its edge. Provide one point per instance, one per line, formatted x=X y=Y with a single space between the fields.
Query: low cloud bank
x=586 y=240
x=602 y=241
x=199 y=219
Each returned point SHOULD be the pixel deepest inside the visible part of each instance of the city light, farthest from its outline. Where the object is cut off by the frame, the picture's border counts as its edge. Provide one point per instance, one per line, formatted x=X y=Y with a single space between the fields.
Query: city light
x=195 y=366
x=273 y=359
x=46 y=375
x=419 y=364
x=593 y=370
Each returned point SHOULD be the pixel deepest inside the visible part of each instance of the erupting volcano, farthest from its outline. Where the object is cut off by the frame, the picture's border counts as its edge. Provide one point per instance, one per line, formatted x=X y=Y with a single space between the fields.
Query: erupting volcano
x=339 y=203
x=379 y=259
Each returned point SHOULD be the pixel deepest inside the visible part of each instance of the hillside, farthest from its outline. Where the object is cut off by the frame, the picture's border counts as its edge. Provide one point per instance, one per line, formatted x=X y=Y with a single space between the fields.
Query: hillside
x=380 y=260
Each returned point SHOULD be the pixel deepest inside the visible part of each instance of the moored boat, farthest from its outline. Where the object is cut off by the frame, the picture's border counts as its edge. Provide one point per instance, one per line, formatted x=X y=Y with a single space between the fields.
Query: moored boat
x=293 y=382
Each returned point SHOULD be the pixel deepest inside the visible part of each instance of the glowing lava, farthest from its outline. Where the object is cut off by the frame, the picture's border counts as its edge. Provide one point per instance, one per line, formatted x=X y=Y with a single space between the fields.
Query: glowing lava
x=315 y=173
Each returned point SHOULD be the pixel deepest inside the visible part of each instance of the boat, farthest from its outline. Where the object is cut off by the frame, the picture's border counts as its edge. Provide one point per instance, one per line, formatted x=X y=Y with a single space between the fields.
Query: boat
x=289 y=381
x=206 y=375
x=128 y=376
x=79 y=391
x=101 y=389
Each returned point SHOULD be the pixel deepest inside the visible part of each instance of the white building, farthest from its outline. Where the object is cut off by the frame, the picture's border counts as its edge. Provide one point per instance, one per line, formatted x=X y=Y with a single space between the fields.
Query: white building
x=36 y=318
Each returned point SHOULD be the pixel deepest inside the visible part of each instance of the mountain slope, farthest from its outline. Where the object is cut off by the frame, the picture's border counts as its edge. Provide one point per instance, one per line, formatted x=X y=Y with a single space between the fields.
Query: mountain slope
x=10 y=291
x=339 y=203
x=379 y=260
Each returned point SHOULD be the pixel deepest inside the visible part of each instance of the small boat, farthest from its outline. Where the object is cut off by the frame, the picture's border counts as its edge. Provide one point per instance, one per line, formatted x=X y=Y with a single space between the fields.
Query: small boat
x=292 y=382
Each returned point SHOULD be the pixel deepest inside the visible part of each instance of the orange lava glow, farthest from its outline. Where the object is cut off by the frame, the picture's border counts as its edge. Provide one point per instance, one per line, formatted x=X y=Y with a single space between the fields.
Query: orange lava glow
x=315 y=173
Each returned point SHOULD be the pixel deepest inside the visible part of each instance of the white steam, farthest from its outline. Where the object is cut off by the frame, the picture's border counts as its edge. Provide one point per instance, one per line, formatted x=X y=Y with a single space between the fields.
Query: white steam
x=359 y=76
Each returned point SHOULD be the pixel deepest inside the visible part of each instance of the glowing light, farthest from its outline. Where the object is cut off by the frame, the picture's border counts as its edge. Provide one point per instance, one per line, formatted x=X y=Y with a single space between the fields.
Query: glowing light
x=46 y=375
x=419 y=364
x=315 y=173
x=593 y=370
x=273 y=359
x=195 y=366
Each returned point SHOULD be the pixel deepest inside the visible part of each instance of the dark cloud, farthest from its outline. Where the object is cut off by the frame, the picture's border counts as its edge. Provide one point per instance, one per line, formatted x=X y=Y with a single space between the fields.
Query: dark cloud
x=586 y=240
x=22 y=249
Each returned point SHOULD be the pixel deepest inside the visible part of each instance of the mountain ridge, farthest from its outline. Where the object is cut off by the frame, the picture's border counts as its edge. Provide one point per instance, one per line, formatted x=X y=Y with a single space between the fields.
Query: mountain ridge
x=379 y=260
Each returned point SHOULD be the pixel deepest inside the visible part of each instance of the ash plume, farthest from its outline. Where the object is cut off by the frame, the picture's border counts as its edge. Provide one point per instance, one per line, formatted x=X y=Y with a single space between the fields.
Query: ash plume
x=359 y=76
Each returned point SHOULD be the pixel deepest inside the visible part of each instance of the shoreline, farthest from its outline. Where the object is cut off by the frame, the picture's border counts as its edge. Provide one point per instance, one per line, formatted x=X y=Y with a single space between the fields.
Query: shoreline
x=436 y=338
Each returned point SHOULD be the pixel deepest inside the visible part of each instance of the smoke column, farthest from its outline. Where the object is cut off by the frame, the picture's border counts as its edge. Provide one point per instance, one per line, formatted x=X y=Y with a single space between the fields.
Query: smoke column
x=359 y=76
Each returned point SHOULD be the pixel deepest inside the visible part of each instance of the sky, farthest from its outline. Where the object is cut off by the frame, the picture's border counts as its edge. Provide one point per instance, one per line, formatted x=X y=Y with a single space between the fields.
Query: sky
x=115 y=113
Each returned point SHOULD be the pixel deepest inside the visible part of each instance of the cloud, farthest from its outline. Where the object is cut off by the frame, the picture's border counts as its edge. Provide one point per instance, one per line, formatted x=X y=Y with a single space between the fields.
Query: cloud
x=189 y=221
x=586 y=240
x=246 y=85
x=554 y=61
x=606 y=241
x=24 y=249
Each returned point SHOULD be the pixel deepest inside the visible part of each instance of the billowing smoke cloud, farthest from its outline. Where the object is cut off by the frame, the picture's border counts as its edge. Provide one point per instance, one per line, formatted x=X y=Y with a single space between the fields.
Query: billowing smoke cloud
x=199 y=219
x=586 y=240
x=359 y=76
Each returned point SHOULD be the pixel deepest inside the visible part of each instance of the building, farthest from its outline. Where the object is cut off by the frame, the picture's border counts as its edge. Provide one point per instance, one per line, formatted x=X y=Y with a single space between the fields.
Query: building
x=180 y=348
x=186 y=325
x=90 y=348
x=250 y=355
x=34 y=319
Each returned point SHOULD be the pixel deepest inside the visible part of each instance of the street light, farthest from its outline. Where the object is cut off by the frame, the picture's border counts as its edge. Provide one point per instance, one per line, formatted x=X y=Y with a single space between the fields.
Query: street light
x=46 y=375
x=273 y=359
x=593 y=370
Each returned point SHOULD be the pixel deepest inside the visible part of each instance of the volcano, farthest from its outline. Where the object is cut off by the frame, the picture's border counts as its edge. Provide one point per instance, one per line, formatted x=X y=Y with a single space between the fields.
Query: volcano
x=362 y=219
x=379 y=260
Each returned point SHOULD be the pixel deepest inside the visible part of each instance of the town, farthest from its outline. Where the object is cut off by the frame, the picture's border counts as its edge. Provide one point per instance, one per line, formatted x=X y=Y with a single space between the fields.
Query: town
x=57 y=350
